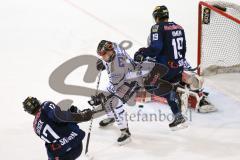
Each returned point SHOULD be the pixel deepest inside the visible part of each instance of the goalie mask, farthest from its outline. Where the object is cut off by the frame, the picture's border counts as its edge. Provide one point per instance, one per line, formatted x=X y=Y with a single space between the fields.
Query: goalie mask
x=31 y=105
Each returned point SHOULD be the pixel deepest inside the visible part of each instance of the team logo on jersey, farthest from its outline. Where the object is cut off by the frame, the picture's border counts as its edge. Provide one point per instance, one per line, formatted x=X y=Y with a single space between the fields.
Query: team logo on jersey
x=68 y=139
x=155 y=28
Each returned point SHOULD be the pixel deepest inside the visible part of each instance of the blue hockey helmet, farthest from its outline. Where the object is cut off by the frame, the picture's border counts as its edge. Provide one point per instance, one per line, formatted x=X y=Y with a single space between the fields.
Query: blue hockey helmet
x=31 y=105
x=160 y=12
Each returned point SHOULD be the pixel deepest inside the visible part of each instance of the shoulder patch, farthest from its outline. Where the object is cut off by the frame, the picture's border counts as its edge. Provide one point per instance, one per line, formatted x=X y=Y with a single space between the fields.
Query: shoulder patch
x=155 y=28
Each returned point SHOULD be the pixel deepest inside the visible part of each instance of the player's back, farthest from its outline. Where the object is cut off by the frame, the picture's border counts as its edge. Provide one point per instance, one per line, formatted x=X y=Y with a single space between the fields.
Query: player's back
x=169 y=39
x=174 y=43
x=52 y=130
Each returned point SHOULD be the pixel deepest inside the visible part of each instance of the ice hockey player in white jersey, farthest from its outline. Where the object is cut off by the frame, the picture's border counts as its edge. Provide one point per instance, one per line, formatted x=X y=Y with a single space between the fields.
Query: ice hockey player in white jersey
x=122 y=87
x=119 y=91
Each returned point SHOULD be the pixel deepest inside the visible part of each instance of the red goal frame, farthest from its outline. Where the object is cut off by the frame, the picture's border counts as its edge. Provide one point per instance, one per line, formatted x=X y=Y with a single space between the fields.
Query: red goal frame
x=200 y=6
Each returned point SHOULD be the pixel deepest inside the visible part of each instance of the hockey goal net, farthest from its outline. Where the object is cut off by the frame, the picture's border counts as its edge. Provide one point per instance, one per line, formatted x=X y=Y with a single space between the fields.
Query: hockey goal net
x=218 y=38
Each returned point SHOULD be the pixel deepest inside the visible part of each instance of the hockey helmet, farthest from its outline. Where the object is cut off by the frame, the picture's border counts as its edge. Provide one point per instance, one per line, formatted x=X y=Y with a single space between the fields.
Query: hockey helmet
x=104 y=46
x=31 y=105
x=160 y=12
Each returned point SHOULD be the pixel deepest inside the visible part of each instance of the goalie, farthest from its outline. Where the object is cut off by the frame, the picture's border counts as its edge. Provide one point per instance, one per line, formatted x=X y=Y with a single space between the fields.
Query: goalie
x=191 y=91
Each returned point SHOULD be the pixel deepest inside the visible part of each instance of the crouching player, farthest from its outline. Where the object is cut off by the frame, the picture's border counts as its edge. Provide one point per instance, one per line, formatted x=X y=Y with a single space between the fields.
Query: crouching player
x=59 y=129
x=191 y=91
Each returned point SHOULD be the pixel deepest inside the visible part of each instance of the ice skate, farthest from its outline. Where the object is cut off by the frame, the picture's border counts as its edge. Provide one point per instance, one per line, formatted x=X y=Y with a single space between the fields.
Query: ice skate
x=125 y=137
x=178 y=123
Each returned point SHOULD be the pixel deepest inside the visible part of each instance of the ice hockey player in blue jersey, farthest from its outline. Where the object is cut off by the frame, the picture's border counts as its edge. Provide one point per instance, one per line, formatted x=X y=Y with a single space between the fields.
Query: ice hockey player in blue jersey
x=168 y=46
x=59 y=129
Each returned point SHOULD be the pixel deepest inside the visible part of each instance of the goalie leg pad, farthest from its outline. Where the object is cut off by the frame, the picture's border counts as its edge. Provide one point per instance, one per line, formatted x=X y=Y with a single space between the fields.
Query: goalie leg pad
x=196 y=100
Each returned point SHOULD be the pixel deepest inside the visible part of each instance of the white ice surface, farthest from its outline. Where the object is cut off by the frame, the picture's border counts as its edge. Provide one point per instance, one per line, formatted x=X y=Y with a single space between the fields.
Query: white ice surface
x=38 y=36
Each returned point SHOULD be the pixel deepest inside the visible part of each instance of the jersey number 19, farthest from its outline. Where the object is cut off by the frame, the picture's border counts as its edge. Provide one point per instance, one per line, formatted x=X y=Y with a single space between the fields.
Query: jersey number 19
x=177 y=44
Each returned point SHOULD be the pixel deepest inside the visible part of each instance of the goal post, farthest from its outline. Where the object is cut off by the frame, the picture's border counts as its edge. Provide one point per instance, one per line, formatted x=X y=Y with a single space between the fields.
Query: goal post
x=218 y=38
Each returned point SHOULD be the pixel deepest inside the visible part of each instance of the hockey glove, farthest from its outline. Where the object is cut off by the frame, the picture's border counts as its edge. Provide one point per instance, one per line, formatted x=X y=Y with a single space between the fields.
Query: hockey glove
x=100 y=65
x=138 y=56
x=73 y=109
x=98 y=99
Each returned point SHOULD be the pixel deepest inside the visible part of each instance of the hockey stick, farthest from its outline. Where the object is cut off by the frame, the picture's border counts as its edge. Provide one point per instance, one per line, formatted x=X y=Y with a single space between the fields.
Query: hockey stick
x=91 y=122
x=149 y=59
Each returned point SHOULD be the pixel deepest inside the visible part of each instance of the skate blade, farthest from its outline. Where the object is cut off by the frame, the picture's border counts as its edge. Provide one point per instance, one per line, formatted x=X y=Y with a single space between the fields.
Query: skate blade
x=180 y=126
x=128 y=140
